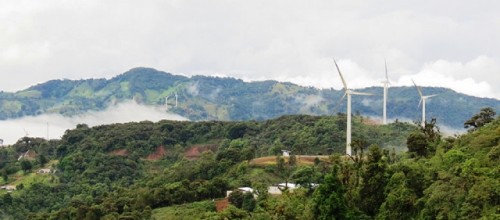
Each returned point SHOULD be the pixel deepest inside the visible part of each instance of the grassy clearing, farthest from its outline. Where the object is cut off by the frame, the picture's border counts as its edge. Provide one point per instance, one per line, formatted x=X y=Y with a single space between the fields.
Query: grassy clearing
x=301 y=160
x=28 y=179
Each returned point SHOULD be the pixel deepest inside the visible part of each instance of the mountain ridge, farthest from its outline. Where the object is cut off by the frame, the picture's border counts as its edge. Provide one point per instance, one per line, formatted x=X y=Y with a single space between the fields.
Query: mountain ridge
x=227 y=98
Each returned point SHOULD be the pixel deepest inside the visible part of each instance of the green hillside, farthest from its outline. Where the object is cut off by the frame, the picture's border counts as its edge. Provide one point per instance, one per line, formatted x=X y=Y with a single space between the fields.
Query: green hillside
x=122 y=169
x=179 y=170
x=215 y=98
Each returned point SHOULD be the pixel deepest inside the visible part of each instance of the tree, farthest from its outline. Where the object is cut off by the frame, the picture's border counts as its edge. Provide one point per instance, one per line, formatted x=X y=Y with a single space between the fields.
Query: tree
x=4 y=175
x=42 y=160
x=374 y=180
x=417 y=144
x=26 y=165
x=485 y=116
x=248 y=202
x=422 y=142
x=305 y=176
x=400 y=201
x=328 y=200
x=236 y=198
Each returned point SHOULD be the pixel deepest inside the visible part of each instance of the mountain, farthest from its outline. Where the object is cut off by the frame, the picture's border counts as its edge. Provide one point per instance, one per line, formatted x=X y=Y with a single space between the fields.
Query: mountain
x=216 y=98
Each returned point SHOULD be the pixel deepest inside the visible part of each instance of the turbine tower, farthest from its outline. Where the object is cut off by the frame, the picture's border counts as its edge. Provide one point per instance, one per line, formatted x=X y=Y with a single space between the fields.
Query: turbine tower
x=386 y=84
x=176 y=99
x=422 y=100
x=348 y=92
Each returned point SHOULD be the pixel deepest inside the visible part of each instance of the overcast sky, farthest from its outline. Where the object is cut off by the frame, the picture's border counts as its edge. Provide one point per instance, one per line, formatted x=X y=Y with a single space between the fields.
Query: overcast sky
x=445 y=43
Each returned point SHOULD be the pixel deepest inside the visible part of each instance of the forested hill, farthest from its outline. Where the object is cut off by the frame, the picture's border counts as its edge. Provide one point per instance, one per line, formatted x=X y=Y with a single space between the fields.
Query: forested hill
x=102 y=169
x=181 y=170
x=207 y=98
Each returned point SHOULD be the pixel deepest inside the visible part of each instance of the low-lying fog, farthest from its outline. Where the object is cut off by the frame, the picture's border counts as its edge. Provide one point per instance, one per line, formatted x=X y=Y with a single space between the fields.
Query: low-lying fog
x=54 y=125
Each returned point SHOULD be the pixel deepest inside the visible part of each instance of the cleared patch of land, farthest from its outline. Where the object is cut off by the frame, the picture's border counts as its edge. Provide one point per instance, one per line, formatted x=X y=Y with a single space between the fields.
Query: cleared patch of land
x=301 y=159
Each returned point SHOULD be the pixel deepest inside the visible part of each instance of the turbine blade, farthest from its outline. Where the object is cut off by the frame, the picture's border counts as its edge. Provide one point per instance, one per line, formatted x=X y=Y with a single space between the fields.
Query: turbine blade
x=418 y=88
x=420 y=102
x=429 y=96
x=339 y=103
x=386 y=76
x=341 y=77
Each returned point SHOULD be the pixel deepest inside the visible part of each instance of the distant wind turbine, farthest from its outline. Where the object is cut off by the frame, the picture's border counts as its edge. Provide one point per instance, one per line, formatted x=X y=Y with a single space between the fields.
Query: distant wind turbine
x=176 y=99
x=166 y=102
x=386 y=84
x=422 y=100
x=348 y=92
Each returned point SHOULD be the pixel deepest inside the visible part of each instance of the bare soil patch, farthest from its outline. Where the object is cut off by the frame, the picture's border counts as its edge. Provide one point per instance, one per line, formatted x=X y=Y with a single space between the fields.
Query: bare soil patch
x=159 y=153
x=120 y=152
x=195 y=151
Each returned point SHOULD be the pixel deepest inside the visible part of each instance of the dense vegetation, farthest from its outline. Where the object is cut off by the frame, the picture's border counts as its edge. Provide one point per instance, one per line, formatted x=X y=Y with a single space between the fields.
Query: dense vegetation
x=213 y=98
x=102 y=172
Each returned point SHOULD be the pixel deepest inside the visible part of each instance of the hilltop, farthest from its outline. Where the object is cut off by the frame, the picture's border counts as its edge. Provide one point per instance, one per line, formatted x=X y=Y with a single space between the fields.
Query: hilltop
x=216 y=98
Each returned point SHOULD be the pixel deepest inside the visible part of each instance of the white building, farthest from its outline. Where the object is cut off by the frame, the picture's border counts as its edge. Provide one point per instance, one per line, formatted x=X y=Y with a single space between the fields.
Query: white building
x=9 y=188
x=242 y=189
x=279 y=188
x=44 y=171
x=286 y=153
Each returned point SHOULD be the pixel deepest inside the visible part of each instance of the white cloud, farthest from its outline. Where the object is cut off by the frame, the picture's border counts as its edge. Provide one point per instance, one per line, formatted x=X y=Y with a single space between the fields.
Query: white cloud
x=36 y=126
x=283 y=40
x=477 y=77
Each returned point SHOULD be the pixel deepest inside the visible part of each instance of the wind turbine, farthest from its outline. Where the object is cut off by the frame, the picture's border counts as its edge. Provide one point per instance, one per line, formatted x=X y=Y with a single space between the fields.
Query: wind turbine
x=348 y=92
x=422 y=100
x=166 y=102
x=176 y=99
x=386 y=90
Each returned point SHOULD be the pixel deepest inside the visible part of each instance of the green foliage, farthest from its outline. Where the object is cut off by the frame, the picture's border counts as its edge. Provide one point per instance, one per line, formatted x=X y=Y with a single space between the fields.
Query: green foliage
x=104 y=172
x=248 y=202
x=401 y=200
x=195 y=210
x=26 y=165
x=423 y=142
x=328 y=201
x=374 y=181
x=485 y=116
x=236 y=198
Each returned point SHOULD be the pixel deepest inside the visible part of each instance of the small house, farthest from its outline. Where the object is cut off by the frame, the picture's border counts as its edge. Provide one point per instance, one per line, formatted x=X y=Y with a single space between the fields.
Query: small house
x=279 y=188
x=8 y=187
x=286 y=153
x=242 y=189
x=44 y=171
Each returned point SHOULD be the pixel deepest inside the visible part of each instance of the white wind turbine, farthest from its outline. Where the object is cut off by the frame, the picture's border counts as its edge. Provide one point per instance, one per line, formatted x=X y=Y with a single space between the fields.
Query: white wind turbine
x=348 y=93
x=422 y=100
x=176 y=99
x=166 y=102
x=386 y=84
